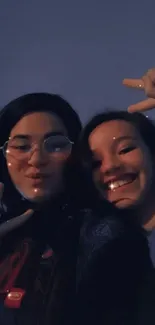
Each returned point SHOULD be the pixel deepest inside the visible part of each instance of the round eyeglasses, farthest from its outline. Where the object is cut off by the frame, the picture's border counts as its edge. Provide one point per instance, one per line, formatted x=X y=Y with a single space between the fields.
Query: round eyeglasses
x=22 y=148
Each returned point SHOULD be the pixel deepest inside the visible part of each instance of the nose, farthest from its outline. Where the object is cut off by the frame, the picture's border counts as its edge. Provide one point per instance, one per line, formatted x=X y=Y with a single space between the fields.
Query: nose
x=38 y=157
x=110 y=164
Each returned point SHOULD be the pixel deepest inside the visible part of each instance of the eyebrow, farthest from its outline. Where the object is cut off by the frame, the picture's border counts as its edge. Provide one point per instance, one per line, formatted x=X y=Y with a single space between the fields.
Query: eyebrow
x=28 y=137
x=117 y=141
x=125 y=137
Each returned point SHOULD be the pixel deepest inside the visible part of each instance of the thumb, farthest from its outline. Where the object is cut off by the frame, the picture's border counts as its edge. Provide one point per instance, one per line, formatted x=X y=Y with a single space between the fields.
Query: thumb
x=143 y=106
x=15 y=222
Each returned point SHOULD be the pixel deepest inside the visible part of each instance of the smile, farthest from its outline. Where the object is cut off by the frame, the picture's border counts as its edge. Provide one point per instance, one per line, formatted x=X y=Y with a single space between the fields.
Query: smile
x=119 y=182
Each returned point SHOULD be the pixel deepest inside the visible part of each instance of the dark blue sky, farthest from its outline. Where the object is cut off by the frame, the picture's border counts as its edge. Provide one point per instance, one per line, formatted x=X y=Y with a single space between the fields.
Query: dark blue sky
x=80 y=49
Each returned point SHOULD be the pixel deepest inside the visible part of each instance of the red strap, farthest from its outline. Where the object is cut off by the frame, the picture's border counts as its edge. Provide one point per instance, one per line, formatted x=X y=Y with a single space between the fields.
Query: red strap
x=11 y=267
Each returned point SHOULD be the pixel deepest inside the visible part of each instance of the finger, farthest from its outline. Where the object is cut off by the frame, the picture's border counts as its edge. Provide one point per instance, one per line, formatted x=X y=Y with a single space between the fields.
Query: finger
x=149 y=87
x=134 y=83
x=15 y=222
x=1 y=190
x=143 y=106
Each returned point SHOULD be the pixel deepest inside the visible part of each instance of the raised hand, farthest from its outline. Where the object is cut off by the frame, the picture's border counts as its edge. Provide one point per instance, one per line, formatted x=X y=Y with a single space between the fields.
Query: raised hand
x=147 y=84
x=14 y=222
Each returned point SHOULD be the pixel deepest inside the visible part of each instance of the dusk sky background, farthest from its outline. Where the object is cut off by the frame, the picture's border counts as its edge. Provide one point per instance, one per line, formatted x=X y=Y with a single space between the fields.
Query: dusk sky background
x=79 y=49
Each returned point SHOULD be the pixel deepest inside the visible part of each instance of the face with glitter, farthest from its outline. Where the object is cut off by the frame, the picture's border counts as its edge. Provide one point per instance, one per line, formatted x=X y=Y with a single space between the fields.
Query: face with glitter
x=39 y=175
x=122 y=164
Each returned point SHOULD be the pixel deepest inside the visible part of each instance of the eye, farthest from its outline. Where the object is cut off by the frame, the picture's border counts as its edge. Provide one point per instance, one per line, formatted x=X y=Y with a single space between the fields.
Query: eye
x=20 y=147
x=127 y=150
x=23 y=147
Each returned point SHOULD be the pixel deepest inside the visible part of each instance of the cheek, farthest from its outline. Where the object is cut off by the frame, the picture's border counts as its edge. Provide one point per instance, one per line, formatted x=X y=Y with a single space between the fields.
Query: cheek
x=14 y=168
x=57 y=165
x=141 y=162
x=138 y=160
x=16 y=173
x=146 y=173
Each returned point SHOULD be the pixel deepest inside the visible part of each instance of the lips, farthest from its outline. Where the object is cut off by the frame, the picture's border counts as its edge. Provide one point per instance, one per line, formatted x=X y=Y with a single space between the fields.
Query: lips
x=37 y=176
x=37 y=179
x=120 y=181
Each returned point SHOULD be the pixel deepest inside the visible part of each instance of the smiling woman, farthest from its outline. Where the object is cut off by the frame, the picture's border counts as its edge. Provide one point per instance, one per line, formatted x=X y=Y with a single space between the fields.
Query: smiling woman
x=124 y=169
x=118 y=151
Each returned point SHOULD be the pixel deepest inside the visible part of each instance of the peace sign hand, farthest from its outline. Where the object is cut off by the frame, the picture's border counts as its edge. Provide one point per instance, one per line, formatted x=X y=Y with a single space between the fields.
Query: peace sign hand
x=15 y=222
x=146 y=83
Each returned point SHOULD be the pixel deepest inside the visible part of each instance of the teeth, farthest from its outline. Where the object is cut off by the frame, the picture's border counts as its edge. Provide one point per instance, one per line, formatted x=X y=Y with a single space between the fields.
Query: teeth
x=114 y=185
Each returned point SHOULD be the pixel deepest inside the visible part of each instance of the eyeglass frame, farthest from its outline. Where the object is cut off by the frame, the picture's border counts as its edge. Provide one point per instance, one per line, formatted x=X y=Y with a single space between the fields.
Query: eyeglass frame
x=64 y=136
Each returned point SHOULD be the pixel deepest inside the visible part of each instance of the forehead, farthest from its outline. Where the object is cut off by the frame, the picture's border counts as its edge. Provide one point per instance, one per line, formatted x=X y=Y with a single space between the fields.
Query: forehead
x=111 y=130
x=38 y=123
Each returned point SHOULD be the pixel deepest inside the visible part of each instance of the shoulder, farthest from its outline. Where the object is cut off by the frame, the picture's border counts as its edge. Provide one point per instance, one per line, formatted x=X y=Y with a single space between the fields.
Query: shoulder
x=110 y=245
x=105 y=228
x=110 y=236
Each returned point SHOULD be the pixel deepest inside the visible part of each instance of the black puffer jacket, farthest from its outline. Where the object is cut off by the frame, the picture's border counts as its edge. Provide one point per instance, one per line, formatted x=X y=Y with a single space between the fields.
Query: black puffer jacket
x=112 y=266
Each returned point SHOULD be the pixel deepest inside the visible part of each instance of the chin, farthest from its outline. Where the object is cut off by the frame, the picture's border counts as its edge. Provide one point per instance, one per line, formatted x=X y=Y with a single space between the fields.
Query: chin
x=36 y=196
x=128 y=204
x=39 y=197
x=124 y=204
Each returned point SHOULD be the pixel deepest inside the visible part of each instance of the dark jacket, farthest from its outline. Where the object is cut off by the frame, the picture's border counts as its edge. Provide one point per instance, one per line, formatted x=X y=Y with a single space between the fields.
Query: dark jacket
x=112 y=266
x=113 y=259
x=146 y=306
x=44 y=252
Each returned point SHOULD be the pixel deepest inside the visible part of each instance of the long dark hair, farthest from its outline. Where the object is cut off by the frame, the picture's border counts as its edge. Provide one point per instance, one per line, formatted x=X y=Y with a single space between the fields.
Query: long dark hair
x=36 y=102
